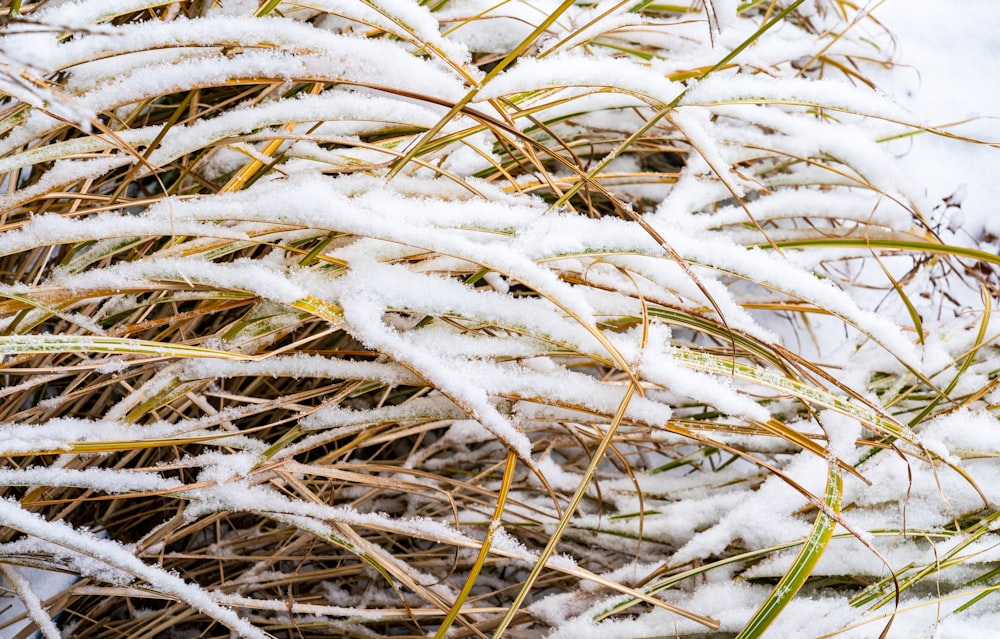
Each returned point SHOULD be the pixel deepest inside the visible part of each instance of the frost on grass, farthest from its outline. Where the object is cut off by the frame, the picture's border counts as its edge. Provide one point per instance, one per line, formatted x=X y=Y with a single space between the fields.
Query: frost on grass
x=330 y=281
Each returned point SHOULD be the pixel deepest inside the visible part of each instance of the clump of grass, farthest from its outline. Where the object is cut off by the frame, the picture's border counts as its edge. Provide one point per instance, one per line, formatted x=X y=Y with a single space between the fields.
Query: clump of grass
x=389 y=319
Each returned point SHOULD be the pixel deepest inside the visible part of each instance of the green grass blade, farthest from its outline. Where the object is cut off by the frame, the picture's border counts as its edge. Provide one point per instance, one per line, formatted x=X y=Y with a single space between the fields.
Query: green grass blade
x=888 y=244
x=805 y=562
x=709 y=363
x=969 y=359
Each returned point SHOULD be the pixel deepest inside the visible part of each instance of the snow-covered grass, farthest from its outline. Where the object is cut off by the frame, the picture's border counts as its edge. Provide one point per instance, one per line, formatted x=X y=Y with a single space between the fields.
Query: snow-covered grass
x=375 y=318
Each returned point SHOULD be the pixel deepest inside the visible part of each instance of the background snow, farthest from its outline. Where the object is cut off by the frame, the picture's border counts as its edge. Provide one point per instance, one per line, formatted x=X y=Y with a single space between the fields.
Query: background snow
x=950 y=74
x=952 y=77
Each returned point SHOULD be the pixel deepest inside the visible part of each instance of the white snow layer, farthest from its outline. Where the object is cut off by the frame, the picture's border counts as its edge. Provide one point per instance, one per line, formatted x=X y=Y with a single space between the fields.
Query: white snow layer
x=491 y=387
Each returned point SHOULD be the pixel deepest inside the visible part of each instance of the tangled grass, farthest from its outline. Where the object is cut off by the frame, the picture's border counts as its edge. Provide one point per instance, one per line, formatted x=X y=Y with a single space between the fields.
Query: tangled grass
x=373 y=318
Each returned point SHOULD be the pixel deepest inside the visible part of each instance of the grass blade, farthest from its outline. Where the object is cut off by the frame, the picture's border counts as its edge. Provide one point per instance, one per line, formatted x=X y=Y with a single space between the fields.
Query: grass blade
x=793 y=579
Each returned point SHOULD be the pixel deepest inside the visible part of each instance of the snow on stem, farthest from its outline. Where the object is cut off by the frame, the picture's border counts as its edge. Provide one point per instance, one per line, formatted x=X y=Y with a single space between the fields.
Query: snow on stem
x=793 y=579
x=117 y=556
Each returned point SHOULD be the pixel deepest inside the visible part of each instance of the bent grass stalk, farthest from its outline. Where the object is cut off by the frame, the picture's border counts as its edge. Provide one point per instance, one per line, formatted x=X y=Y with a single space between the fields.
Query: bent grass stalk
x=794 y=578
x=130 y=375
x=484 y=551
x=574 y=503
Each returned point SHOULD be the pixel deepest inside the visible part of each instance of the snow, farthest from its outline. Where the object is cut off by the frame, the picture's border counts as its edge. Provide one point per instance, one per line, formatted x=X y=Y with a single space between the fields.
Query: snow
x=400 y=277
x=63 y=173
x=835 y=94
x=568 y=70
x=355 y=110
x=99 y=479
x=114 y=555
x=31 y=601
x=244 y=275
x=299 y=366
x=945 y=76
x=432 y=408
